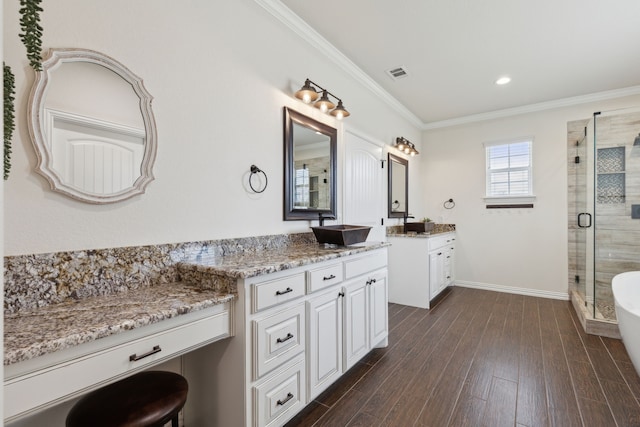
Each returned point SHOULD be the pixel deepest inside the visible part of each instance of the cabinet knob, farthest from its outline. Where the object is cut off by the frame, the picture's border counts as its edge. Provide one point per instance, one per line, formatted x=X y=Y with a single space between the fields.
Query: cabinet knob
x=341 y=294
x=439 y=253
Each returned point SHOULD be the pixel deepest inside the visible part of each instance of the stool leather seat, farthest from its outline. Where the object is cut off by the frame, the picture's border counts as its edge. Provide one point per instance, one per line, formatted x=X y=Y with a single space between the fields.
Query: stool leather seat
x=149 y=398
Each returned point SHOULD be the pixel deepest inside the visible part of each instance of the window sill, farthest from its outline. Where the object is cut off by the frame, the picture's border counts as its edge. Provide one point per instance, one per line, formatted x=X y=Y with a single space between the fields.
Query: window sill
x=509 y=202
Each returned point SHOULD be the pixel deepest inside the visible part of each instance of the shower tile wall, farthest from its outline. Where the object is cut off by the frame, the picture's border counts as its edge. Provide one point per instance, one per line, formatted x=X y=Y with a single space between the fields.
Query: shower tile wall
x=617 y=234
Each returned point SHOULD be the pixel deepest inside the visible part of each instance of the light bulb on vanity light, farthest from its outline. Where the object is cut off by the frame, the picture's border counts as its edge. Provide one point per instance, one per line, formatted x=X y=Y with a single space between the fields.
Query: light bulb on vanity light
x=311 y=91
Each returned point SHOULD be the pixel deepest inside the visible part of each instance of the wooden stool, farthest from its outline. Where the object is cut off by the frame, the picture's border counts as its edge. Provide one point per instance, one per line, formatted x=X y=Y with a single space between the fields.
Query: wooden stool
x=146 y=399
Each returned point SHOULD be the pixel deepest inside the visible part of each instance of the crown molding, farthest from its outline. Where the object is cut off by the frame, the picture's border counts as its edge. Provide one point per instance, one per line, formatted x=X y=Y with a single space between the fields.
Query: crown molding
x=532 y=108
x=311 y=36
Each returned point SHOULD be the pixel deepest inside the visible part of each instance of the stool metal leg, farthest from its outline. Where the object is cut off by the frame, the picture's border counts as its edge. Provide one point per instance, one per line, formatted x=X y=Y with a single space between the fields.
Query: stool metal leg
x=174 y=421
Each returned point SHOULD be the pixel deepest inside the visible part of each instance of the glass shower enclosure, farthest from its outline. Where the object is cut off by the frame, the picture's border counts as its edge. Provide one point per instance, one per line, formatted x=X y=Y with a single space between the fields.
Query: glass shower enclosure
x=604 y=207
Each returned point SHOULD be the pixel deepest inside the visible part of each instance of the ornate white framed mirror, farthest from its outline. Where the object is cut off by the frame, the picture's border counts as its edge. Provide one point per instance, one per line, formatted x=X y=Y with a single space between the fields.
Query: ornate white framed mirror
x=92 y=126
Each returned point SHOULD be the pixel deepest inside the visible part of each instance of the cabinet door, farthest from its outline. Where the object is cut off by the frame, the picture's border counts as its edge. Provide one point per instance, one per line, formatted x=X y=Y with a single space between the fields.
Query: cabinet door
x=324 y=338
x=356 y=319
x=451 y=263
x=436 y=272
x=378 y=308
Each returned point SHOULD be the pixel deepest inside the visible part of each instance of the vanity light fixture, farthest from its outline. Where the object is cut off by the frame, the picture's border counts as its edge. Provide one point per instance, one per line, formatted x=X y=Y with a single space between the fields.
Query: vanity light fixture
x=406 y=146
x=310 y=92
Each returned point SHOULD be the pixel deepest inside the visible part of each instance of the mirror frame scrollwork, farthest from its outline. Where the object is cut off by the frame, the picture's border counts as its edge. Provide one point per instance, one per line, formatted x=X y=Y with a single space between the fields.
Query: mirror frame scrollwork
x=392 y=159
x=51 y=61
x=290 y=212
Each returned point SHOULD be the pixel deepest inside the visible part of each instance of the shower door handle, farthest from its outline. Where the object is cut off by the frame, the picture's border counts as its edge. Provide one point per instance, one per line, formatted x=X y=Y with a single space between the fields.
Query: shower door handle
x=580 y=217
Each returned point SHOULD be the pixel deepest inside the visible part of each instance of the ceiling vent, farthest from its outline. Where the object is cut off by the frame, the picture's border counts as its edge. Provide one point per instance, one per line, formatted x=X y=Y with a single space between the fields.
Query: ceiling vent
x=398 y=72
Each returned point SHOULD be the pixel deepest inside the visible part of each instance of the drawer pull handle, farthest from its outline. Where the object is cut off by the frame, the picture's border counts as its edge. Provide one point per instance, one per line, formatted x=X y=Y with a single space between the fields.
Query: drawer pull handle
x=329 y=277
x=439 y=253
x=286 y=291
x=134 y=357
x=341 y=294
x=287 y=338
x=373 y=280
x=288 y=398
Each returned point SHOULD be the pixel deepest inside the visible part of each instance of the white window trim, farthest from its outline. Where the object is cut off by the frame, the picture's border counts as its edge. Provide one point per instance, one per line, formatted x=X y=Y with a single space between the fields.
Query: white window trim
x=515 y=199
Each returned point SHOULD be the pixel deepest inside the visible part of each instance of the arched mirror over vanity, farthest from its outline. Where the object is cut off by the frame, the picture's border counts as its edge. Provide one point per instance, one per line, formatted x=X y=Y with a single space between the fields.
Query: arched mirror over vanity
x=92 y=126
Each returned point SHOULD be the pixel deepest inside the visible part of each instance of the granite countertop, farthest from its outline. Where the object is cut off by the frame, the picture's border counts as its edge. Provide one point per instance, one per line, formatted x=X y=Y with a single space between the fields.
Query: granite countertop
x=251 y=264
x=205 y=281
x=32 y=333
x=420 y=235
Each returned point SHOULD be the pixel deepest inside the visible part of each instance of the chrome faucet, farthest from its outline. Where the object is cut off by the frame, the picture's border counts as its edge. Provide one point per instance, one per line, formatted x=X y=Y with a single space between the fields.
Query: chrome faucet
x=321 y=218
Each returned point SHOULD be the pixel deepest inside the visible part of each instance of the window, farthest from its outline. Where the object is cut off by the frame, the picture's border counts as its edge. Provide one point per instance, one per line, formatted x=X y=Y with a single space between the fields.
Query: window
x=509 y=170
x=301 y=199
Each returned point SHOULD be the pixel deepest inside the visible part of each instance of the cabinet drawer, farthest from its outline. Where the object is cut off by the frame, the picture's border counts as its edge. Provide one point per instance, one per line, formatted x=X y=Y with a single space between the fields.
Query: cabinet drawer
x=267 y=294
x=440 y=241
x=369 y=262
x=277 y=400
x=278 y=338
x=324 y=277
x=46 y=387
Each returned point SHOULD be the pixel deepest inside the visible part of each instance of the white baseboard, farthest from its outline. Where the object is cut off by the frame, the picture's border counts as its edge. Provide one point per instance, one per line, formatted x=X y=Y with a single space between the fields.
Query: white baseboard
x=513 y=290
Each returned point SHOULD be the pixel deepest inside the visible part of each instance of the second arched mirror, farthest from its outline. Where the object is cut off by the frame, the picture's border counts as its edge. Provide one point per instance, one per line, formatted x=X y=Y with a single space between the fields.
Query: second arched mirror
x=92 y=127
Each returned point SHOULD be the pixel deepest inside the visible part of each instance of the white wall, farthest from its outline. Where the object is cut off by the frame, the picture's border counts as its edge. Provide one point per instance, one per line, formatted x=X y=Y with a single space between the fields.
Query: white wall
x=220 y=73
x=519 y=248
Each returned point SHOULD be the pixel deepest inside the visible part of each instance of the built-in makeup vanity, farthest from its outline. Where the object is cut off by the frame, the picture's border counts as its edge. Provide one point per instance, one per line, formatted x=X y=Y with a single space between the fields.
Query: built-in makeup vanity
x=299 y=315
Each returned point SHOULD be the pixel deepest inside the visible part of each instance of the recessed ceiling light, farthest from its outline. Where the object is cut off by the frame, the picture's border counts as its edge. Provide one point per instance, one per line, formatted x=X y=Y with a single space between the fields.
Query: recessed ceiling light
x=503 y=80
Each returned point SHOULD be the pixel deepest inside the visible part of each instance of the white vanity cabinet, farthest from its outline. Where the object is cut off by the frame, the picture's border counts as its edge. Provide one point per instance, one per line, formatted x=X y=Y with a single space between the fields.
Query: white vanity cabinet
x=420 y=267
x=441 y=261
x=324 y=332
x=291 y=341
x=365 y=315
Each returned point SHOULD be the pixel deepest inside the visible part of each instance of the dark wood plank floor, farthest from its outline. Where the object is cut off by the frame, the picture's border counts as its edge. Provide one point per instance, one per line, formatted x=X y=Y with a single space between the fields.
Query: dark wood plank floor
x=481 y=358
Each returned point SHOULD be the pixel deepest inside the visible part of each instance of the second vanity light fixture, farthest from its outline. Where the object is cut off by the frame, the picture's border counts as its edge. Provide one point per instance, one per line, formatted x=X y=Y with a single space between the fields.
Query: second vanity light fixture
x=311 y=91
x=406 y=146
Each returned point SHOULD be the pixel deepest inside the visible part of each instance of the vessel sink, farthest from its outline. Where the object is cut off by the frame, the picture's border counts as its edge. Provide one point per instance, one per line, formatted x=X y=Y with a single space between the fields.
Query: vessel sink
x=419 y=227
x=342 y=234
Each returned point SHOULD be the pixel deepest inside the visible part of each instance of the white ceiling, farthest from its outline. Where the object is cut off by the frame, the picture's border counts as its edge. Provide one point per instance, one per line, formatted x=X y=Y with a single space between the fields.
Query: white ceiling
x=555 y=51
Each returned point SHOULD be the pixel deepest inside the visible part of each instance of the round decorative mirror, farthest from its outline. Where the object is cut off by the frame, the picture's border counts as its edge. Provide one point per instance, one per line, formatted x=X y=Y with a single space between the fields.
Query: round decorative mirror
x=92 y=127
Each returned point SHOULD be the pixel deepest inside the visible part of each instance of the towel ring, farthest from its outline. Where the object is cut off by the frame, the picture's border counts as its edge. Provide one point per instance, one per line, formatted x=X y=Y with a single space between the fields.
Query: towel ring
x=254 y=170
x=449 y=204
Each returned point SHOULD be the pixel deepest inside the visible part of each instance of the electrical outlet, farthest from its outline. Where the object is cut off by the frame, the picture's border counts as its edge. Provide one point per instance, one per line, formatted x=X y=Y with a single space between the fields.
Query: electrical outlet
x=635 y=211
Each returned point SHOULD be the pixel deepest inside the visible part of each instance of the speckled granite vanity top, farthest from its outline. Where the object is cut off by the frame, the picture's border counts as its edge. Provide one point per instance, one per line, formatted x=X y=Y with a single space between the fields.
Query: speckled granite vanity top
x=60 y=300
x=34 y=332
x=250 y=264
x=397 y=231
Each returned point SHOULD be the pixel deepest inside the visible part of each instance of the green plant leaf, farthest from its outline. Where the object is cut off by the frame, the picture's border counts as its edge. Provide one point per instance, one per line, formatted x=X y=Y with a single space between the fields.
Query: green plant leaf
x=31 y=35
x=8 y=116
